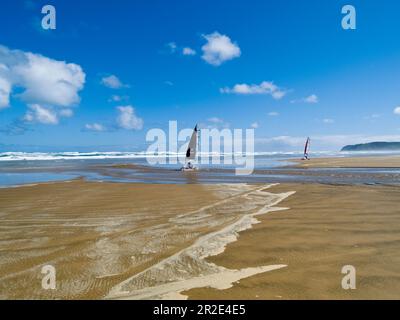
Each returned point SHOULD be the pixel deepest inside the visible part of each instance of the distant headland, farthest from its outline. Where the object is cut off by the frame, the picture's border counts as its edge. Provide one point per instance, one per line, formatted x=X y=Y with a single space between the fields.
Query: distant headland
x=373 y=146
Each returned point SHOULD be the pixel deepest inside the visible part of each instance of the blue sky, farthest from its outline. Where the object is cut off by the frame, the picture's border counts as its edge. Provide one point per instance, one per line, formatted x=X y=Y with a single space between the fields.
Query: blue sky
x=285 y=67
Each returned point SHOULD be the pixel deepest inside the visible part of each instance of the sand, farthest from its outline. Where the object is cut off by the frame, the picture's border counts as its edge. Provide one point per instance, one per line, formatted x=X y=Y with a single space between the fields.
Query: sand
x=114 y=240
x=188 y=268
x=95 y=234
x=222 y=241
x=326 y=228
x=350 y=162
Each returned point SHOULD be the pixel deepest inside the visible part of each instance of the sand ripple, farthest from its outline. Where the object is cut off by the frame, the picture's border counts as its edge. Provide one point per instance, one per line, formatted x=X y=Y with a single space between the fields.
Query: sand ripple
x=188 y=268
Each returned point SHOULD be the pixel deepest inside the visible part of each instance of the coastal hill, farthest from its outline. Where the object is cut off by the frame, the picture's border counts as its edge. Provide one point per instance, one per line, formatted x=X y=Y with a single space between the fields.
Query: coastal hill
x=373 y=146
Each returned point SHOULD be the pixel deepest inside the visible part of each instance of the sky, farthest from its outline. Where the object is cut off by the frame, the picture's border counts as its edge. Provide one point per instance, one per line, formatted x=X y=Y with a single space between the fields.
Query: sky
x=113 y=70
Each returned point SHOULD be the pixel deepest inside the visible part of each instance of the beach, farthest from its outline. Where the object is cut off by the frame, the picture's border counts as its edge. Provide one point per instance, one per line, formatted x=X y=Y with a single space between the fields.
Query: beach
x=239 y=240
x=351 y=162
x=326 y=228
x=98 y=235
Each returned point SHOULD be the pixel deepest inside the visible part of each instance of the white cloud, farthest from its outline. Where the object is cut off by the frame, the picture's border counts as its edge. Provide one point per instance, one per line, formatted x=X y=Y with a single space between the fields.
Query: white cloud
x=265 y=87
x=40 y=114
x=112 y=82
x=172 y=46
x=215 y=123
x=273 y=114
x=254 y=125
x=95 y=127
x=5 y=90
x=397 y=111
x=127 y=118
x=188 y=51
x=66 y=113
x=219 y=48
x=50 y=82
x=44 y=81
x=118 y=98
x=215 y=120
x=328 y=121
x=310 y=99
x=115 y=98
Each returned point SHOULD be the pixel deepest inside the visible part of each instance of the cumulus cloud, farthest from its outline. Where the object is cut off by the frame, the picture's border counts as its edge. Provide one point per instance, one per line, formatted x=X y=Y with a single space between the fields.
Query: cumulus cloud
x=127 y=118
x=254 y=125
x=310 y=99
x=397 y=111
x=50 y=82
x=95 y=127
x=273 y=114
x=188 y=51
x=45 y=115
x=44 y=81
x=112 y=82
x=40 y=114
x=265 y=87
x=219 y=48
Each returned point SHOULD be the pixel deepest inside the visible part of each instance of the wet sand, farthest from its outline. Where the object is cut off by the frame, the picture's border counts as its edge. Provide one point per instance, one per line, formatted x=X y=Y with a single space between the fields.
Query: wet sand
x=147 y=241
x=326 y=228
x=351 y=162
x=95 y=234
x=115 y=240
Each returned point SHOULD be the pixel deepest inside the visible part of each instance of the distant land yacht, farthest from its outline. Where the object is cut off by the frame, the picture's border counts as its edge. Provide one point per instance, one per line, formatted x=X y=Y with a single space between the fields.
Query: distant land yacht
x=306 y=149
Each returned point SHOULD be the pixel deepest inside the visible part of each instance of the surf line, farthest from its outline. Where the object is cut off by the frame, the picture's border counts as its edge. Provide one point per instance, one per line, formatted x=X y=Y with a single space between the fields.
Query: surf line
x=211 y=275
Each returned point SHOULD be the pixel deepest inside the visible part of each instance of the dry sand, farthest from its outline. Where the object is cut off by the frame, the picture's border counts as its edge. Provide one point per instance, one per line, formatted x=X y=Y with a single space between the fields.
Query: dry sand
x=142 y=241
x=350 y=162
